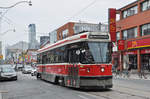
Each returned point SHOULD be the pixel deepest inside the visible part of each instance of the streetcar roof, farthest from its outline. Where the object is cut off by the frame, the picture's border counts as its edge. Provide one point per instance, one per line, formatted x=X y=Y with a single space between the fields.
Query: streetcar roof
x=76 y=38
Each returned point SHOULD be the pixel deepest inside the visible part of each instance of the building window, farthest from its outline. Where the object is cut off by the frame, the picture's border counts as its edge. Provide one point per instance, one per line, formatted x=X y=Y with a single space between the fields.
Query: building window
x=145 y=5
x=59 y=34
x=65 y=33
x=87 y=27
x=130 y=33
x=53 y=37
x=131 y=11
x=145 y=29
x=117 y=36
x=125 y=34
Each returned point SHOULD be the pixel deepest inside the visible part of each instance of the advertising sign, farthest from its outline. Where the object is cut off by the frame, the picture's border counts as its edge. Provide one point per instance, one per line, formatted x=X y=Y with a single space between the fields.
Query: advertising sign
x=145 y=51
x=121 y=44
x=112 y=24
x=138 y=43
x=130 y=52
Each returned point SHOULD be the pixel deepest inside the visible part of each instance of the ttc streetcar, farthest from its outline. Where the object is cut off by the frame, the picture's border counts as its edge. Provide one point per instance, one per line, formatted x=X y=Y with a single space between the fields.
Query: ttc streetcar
x=79 y=61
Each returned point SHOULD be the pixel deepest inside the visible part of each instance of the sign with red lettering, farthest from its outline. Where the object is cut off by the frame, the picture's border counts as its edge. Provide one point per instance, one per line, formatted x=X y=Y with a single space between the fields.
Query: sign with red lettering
x=112 y=24
x=145 y=51
x=138 y=43
x=130 y=52
x=121 y=44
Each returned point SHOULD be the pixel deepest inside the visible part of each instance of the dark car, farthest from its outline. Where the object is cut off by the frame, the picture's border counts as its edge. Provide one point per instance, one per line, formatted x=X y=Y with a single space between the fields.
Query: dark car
x=7 y=73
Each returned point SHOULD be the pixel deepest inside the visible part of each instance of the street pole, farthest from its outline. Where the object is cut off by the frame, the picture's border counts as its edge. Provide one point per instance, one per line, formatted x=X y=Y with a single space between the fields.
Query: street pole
x=7 y=8
x=29 y=2
x=2 y=15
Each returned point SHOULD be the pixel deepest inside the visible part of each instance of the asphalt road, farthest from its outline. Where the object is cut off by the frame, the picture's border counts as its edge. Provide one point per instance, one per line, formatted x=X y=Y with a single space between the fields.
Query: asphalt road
x=28 y=87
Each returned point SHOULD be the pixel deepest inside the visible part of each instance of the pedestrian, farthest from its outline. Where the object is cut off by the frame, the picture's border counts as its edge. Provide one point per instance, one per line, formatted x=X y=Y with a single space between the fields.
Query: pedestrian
x=142 y=71
x=130 y=66
x=116 y=69
x=128 y=69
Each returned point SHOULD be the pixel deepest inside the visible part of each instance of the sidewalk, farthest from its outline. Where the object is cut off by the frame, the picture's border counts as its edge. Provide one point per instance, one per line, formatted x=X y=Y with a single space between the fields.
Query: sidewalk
x=133 y=75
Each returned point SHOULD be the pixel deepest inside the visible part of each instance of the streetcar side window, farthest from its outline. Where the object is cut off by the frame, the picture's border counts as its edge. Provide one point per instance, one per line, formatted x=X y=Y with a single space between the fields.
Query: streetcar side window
x=58 y=55
x=39 y=58
x=74 y=56
x=44 y=58
x=52 y=57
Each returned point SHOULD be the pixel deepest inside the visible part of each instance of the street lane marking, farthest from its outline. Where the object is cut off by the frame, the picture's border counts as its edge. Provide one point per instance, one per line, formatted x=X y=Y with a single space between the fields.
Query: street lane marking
x=83 y=97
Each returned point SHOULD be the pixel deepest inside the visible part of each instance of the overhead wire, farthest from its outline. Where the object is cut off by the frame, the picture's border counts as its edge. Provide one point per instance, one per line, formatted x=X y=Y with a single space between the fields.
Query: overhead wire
x=83 y=9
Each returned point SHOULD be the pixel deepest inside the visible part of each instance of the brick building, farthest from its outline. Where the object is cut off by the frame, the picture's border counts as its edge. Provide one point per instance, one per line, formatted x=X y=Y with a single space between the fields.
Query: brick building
x=72 y=28
x=133 y=31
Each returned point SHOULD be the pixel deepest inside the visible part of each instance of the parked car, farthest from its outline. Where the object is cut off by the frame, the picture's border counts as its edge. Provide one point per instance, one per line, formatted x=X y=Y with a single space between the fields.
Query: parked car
x=27 y=69
x=7 y=73
x=19 y=67
x=33 y=72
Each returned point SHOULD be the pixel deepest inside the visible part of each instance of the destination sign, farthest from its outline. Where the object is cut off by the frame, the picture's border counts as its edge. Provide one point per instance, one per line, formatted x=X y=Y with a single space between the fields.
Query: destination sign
x=98 y=37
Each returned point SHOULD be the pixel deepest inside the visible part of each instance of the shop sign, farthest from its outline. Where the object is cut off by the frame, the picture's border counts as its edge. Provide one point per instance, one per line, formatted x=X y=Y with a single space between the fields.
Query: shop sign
x=138 y=43
x=130 y=52
x=112 y=24
x=121 y=44
x=145 y=51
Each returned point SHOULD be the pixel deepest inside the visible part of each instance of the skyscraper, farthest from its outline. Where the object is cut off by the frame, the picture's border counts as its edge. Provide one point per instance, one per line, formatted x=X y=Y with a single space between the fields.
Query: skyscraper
x=32 y=36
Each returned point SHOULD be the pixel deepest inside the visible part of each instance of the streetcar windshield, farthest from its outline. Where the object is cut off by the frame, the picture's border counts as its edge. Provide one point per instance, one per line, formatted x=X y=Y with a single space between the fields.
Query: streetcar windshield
x=100 y=51
x=96 y=52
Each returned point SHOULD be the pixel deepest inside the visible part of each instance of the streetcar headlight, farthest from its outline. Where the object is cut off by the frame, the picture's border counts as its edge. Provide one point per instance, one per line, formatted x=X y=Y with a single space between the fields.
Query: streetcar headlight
x=102 y=69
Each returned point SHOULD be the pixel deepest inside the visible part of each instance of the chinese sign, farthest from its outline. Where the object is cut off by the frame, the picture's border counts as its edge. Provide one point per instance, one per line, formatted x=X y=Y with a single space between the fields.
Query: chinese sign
x=112 y=24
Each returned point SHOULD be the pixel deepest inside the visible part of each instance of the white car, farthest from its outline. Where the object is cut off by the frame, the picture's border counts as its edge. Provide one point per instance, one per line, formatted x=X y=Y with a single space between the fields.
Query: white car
x=7 y=73
x=27 y=70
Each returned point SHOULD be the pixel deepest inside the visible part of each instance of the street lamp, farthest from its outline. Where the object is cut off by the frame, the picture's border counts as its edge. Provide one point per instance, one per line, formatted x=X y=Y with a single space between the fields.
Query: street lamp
x=29 y=2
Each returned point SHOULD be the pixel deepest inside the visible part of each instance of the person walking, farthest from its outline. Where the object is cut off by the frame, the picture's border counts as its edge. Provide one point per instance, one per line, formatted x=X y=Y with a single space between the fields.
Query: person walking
x=142 y=71
x=128 y=69
x=116 y=69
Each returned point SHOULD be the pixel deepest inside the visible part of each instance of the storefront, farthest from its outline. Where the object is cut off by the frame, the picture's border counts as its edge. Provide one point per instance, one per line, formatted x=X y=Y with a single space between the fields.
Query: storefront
x=139 y=53
x=145 y=58
x=132 y=57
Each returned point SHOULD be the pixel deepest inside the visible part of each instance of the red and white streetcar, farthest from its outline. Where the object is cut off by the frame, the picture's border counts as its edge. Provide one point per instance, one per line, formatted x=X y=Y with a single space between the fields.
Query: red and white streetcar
x=79 y=61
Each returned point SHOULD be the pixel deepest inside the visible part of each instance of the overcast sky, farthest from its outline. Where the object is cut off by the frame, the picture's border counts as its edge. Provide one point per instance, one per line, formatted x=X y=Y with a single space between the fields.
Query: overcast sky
x=48 y=15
